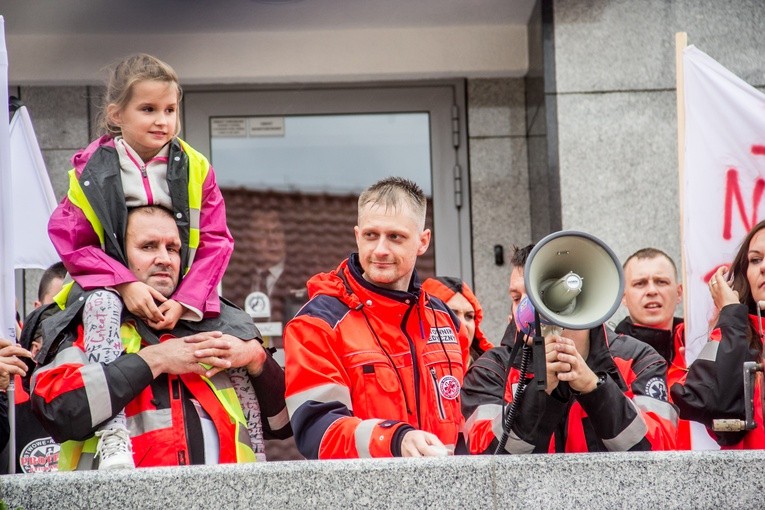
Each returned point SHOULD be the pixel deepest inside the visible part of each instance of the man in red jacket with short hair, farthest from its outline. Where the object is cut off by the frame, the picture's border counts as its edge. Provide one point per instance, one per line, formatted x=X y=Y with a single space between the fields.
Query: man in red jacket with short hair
x=373 y=364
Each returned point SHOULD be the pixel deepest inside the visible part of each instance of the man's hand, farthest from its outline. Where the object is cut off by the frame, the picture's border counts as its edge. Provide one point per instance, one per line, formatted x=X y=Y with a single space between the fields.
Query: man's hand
x=141 y=300
x=171 y=311
x=237 y=352
x=10 y=362
x=418 y=443
x=176 y=355
x=568 y=365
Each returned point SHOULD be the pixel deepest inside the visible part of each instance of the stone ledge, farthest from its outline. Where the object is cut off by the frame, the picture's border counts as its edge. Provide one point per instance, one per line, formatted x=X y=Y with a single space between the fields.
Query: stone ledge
x=647 y=480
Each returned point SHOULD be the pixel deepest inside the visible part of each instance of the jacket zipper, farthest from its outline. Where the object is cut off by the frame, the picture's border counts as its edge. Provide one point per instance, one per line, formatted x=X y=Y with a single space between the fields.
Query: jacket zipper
x=441 y=411
x=415 y=366
x=146 y=183
x=177 y=392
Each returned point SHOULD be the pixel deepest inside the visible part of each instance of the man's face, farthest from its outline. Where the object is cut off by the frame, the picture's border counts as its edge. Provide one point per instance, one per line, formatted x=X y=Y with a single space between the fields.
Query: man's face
x=54 y=287
x=153 y=251
x=517 y=288
x=651 y=292
x=269 y=243
x=389 y=242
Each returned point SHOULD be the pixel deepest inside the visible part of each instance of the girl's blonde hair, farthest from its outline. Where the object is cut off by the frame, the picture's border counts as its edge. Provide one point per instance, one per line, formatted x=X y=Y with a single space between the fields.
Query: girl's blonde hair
x=123 y=76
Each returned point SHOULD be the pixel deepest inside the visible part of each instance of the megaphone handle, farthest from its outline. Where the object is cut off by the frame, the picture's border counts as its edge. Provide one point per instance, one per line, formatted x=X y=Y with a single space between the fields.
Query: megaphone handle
x=540 y=363
x=539 y=356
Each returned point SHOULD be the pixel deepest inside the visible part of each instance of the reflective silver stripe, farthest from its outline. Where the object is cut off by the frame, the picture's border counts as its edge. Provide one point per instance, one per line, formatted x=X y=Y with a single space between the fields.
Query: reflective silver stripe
x=194 y=215
x=221 y=381
x=514 y=443
x=484 y=412
x=709 y=351
x=148 y=421
x=630 y=436
x=192 y=256
x=97 y=391
x=280 y=420
x=323 y=393
x=362 y=435
x=86 y=462
x=651 y=405
x=65 y=356
x=243 y=436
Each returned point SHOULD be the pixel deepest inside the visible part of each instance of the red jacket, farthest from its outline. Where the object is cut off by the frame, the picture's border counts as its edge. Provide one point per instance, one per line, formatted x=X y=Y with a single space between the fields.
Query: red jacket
x=671 y=345
x=73 y=396
x=364 y=365
x=714 y=386
x=629 y=411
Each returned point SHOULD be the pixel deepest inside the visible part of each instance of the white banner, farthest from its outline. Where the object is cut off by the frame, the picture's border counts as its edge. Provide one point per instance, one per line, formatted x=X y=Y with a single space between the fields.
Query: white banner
x=724 y=179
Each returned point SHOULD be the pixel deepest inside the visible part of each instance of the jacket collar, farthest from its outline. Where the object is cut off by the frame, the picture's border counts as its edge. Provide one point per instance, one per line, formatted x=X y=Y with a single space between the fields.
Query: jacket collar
x=662 y=340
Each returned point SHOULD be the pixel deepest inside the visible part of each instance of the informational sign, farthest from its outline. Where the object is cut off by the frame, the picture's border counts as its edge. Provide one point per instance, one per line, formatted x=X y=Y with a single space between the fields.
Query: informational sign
x=228 y=127
x=266 y=126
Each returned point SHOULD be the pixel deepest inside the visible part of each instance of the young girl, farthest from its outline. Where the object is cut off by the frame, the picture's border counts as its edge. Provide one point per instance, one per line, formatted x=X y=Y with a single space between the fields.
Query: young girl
x=139 y=161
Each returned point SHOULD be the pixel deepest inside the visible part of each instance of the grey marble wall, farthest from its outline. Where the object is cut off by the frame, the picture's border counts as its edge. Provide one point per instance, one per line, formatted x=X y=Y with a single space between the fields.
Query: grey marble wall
x=499 y=182
x=664 y=480
x=616 y=111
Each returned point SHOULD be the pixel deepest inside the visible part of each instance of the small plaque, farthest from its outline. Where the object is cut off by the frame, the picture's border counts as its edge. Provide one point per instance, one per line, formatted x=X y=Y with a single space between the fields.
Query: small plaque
x=228 y=127
x=266 y=126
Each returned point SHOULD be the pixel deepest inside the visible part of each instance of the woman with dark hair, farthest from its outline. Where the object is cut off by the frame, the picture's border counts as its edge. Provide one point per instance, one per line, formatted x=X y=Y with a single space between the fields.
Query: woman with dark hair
x=714 y=386
x=460 y=299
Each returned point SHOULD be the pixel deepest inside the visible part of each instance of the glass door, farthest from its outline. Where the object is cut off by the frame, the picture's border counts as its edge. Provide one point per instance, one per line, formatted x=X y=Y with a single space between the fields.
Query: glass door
x=291 y=165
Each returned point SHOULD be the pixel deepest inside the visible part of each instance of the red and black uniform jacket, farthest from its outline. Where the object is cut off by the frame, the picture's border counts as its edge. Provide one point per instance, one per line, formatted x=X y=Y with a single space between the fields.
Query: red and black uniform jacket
x=670 y=344
x=629 y=411
x=365 y=365
x=714 y=386
x=72 y=396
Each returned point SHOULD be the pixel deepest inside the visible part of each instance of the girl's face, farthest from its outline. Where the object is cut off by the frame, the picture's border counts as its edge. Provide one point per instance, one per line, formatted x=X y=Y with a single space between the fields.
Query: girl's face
x=149 y=120
x=755 y=271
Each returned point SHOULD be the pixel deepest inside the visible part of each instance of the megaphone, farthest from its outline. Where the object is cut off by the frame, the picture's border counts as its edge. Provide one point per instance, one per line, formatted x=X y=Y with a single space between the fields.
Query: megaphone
x=573 y=280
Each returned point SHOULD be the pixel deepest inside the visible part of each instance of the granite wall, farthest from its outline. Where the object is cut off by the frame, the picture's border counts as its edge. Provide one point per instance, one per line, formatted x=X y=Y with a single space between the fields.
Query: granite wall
x=664 y=480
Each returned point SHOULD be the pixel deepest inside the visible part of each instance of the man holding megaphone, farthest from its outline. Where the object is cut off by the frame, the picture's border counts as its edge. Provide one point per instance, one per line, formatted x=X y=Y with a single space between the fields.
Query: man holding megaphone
x=583 y=387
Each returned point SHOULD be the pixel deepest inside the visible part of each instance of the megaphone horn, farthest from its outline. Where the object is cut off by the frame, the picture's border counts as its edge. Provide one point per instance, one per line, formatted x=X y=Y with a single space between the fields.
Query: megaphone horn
x=573 y=280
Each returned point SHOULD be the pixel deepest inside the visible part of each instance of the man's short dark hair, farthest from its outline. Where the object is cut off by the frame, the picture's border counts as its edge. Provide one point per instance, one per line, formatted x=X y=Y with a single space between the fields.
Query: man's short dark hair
x=55 y=271
x=520 y=255
x=650 y=253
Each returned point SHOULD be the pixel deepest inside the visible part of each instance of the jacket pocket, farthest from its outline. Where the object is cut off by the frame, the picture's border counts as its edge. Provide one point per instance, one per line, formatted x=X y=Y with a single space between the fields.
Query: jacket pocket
x=444 y=375
x=376 y=386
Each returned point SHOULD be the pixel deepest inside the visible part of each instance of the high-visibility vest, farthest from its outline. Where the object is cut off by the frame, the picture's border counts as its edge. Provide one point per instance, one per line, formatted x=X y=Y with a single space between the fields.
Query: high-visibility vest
x=198 y=168
x=79 y=455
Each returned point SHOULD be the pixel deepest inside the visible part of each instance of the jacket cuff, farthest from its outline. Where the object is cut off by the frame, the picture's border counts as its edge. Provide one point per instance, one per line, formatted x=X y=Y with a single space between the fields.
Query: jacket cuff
x=395 y=432
x=140 y=371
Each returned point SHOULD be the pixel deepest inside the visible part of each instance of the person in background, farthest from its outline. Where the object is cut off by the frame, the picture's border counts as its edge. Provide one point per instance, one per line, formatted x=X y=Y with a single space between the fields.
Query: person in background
x=604 y=392
x=714 y=387
x=36 y=451
x=460 y=299
x=51 y=282
x=651 y=295
x=373 y=364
